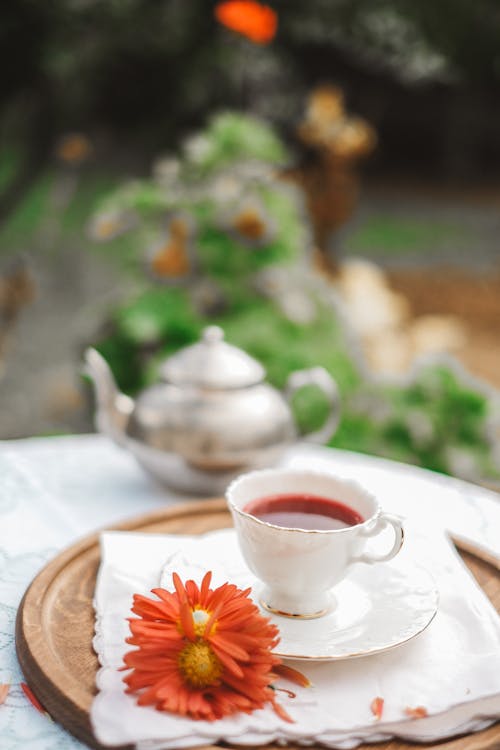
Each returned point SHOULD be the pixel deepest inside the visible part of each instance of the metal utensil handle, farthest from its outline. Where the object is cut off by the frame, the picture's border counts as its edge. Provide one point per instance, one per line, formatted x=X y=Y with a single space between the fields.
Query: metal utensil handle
x=322 y=379
x=384 y=520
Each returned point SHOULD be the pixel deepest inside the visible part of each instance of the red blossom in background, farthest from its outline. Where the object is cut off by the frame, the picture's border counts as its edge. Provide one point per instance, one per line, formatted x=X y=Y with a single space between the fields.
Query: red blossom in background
x=253 y=20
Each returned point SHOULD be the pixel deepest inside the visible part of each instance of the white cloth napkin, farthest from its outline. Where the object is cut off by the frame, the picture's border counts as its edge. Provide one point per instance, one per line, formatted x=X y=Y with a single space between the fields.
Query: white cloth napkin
x=452 y=668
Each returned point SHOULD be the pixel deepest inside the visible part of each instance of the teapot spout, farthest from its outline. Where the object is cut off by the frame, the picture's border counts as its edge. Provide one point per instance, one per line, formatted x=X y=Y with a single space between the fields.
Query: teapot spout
x=113 y=408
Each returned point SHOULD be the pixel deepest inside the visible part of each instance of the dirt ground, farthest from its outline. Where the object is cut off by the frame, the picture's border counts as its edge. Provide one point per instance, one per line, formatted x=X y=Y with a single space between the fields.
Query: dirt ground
x=474 y=297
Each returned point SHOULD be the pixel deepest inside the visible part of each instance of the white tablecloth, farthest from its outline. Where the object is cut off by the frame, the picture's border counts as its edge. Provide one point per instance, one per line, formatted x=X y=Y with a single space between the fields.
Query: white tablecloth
x=55 y=490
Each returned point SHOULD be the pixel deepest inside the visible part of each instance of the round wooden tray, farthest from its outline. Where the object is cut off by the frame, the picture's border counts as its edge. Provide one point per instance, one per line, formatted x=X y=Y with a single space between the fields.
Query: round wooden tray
x=55 y=622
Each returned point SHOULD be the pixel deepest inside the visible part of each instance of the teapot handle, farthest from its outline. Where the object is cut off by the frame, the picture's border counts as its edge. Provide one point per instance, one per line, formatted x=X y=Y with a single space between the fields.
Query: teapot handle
x=322 y=379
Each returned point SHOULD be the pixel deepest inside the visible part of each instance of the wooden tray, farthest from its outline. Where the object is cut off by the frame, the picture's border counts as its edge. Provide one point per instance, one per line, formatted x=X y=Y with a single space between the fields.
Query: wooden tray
x=55 y=623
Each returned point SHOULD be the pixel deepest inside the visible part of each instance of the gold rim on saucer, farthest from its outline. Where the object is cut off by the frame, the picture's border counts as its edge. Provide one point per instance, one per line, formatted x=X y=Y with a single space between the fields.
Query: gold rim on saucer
x=293 y=615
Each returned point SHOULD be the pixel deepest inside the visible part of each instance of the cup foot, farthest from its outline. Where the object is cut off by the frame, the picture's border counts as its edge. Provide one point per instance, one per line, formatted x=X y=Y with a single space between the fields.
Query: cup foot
x=329 y=605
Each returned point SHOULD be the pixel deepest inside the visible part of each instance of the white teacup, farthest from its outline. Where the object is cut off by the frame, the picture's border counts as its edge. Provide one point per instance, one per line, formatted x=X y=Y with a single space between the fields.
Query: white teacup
x=299 y=567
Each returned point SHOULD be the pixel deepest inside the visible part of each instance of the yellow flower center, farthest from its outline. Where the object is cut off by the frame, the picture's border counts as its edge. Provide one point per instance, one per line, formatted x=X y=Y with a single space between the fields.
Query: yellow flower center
x=198 y=664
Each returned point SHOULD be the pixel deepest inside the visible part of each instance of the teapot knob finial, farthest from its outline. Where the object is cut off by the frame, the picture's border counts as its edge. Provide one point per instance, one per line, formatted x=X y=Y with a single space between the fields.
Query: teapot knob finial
x=213 y=334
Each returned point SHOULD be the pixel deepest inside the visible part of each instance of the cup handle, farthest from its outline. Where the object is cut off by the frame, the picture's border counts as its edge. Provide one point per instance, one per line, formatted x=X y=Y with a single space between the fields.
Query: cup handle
x=384 y=520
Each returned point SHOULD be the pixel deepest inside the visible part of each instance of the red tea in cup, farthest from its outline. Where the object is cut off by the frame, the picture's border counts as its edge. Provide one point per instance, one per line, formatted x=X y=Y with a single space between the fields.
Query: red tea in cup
x=303 y=511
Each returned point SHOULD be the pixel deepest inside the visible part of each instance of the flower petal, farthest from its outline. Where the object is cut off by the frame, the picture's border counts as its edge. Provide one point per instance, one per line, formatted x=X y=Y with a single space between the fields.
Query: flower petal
x=205 y=585
x=283 y=670
x=187 y=621
x=377 y=707
x=179 y=588
x=192 y=593
x=280 y=711
x=33 y=699
x=230 y=647
x=4 y=691
x=418 y=712
x=231 y=665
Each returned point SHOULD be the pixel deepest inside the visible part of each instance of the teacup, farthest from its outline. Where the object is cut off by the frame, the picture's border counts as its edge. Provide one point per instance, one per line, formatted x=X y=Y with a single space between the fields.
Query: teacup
x=299 y=566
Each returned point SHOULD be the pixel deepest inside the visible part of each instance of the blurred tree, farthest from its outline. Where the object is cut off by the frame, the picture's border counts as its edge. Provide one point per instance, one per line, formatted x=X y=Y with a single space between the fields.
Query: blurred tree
x=336 y=142
x=142 y=72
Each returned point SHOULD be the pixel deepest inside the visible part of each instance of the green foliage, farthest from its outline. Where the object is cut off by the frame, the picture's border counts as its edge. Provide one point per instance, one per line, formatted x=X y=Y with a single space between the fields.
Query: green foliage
x=223 y=171
x=125 y=358
x=232 y=137
x=284 y=346
x=10 y=159
x=53 y=214
x=438 y=420
x=400 y=236
x=30 y=213
x=143 y=196
x=158 y=316
x=256 y=289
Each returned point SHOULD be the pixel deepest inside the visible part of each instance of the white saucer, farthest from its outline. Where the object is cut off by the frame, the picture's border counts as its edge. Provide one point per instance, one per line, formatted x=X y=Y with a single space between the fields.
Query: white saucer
x=377 y=607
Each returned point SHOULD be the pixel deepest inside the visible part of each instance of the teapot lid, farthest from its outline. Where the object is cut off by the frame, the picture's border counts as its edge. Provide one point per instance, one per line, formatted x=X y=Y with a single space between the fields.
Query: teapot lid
x=212 y=363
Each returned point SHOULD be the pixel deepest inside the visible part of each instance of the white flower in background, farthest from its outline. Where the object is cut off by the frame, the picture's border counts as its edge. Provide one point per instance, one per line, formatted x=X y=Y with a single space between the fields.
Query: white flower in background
x=197 y=148
x=297 y=307
x=273 y=280
x=372 y=307
x=492 y=428
x=461 y=463
x=231 y=185
x=493 y=421
x=166 y=171
x=391 y=339
x=291 y=292
x=257 y=171
x=226 y=188
x=420 y=427
x=372 y=405
x=437 y=333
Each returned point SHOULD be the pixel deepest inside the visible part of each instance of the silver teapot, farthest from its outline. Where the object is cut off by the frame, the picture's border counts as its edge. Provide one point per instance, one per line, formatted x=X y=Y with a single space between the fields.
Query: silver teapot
x=211 y=416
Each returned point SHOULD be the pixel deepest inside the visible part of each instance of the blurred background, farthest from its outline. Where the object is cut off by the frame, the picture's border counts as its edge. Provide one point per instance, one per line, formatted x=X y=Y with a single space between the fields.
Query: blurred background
x=156 y=155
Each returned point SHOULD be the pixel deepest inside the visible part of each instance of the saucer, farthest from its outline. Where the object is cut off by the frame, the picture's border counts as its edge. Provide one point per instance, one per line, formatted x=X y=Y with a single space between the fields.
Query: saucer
x=376 y=607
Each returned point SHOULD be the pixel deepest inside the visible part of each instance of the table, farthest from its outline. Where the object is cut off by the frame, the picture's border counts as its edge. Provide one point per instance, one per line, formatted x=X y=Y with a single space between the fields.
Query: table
x=55 y=490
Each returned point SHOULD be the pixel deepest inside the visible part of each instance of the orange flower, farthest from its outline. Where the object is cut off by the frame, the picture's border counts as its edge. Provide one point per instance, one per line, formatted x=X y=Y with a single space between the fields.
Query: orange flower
x=74 y=148
x=250 y=225
x=171 y=259
x=251 y=19
x=203 y=653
